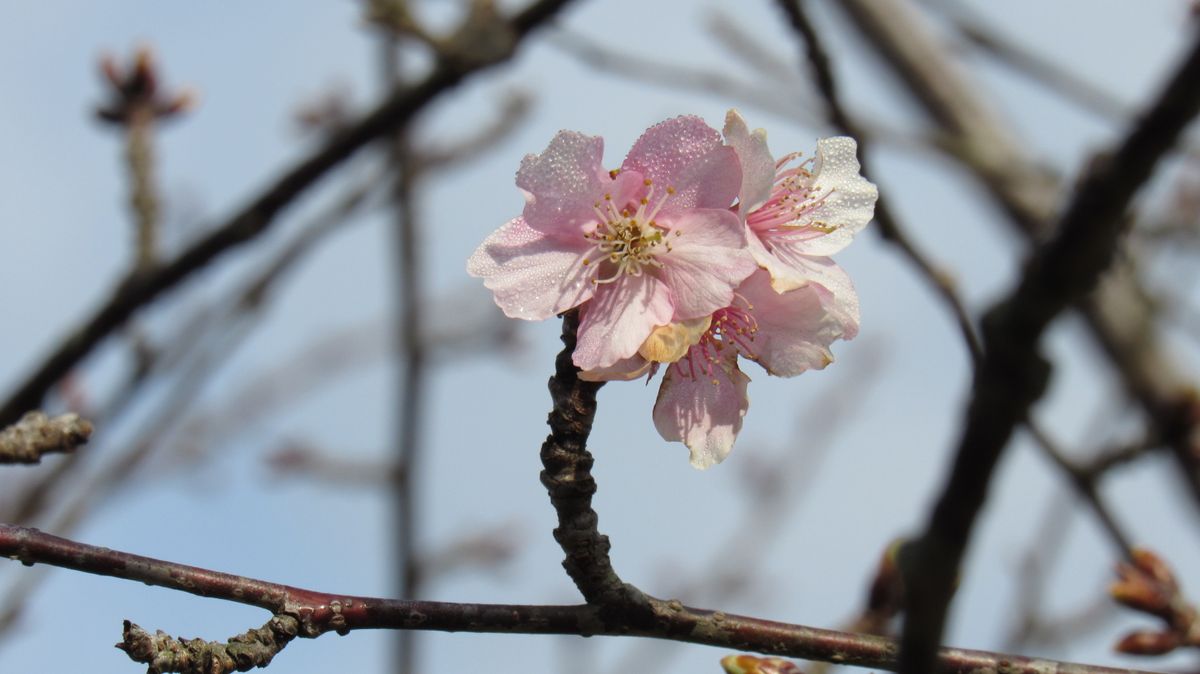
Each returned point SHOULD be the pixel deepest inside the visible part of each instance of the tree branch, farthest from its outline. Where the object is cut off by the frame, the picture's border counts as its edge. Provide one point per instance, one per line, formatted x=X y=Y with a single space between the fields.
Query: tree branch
x=1013 y=374
x=468 y=55
x=1120 y=319
x=316 y=613
x=568 y=479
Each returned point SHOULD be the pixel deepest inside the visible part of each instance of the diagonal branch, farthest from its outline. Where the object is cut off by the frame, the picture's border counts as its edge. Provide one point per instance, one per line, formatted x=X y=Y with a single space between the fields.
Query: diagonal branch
x=1013 y=374
x=1121 y=321
x=889 y=226
x=142 y=288
x=310 y=614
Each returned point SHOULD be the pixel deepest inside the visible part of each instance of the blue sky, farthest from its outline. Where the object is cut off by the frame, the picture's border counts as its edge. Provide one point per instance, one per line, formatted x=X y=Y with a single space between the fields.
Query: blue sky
x=900 y=384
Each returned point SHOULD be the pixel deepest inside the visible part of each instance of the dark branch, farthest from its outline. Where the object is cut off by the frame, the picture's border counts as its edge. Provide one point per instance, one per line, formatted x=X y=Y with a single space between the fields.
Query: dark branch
x=568 y=479
x=315 y=613
x=1013 y=374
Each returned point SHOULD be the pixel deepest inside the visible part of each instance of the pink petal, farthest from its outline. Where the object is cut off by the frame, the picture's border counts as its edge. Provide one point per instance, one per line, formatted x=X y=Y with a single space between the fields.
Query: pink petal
x=703 y=415
x=758 y=167
x=562 y=183
x=619 y=318
x=686 y=155
x=707 y=260
x=838 y=295
x=851 y=201
x=711 y=181
x=532 y=275
x=794 y=329
x=626 y=369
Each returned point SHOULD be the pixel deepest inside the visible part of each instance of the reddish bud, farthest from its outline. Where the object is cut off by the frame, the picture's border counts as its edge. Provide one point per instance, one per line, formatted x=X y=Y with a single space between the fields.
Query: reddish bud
x=1147 y=643
x=887 y=588
x=134 y=93
x=1153 y=565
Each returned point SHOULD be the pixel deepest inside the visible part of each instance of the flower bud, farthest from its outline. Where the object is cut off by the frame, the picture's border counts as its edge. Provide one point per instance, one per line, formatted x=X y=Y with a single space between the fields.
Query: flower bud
x=1147 y=643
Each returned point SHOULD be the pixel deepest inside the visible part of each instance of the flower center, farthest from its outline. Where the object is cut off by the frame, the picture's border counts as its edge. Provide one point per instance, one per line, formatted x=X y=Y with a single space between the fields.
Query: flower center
x=732 y=327
x=793 y=197
x=627 y=239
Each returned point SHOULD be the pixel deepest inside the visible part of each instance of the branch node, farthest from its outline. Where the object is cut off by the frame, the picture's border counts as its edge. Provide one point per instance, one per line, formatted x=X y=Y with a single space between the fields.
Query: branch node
x=164 y=653
x=37 y=434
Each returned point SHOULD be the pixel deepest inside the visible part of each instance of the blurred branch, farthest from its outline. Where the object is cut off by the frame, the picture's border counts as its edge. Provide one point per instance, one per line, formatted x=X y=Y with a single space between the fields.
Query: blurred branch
x=976 y=134
x=1121 y=321
x=136 y=104
x=747 y=45
x=1086 y=486
x=1055 y=78
x=687 y=78
x=1031 y=629
x=410 y=363
x=300 y=459
x=37 y=434
x=207 y=338
x=201 y=327
x=1013 y=375
x=889 y=227
x=513 y=110
x=313 y=613
x=476 y=46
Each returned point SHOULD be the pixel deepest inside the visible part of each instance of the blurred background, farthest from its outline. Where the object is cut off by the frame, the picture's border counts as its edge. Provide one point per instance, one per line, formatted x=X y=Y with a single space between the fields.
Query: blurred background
x=251 y=419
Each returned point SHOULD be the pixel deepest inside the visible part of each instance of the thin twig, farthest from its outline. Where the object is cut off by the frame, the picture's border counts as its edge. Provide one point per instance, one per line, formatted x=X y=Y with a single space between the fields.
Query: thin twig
x=410 y=362
x=1086 y=485
x=1120 y=320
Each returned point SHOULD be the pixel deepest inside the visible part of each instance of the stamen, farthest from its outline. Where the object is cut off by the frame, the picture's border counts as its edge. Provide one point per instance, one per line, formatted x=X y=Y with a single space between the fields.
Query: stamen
x=627 y=240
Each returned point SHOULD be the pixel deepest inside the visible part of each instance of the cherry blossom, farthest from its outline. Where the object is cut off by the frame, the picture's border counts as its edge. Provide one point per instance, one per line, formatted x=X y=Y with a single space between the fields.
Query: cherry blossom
x=703 y=398
x=798 y=213
x=652 y=243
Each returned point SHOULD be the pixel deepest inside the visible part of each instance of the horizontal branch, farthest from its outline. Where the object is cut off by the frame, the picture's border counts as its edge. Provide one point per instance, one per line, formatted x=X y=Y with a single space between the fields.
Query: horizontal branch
x=320 y=612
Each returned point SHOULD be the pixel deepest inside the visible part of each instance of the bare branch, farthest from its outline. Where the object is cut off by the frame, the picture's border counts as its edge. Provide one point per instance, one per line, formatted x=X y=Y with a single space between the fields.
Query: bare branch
x=1013 y=374
x=889 y=227
x=316 y=613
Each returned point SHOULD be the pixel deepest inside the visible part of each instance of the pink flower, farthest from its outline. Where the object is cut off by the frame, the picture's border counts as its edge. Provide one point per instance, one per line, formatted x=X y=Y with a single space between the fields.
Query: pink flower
x=703 y=398
x=650 y=244
x=798 y=214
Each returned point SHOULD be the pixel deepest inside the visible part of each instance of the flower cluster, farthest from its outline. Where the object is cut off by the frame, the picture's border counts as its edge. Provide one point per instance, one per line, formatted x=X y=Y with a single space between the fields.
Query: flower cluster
x=700 y=249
